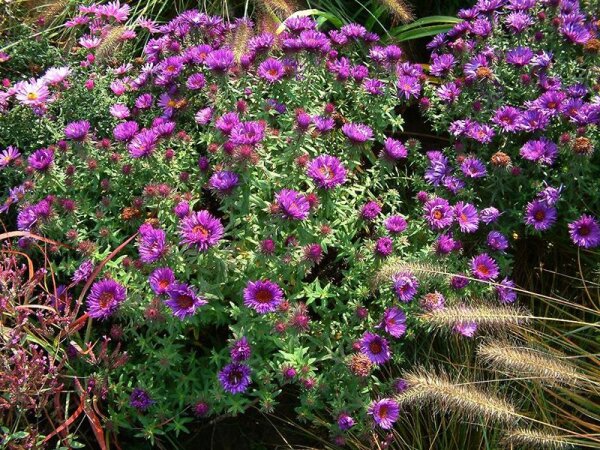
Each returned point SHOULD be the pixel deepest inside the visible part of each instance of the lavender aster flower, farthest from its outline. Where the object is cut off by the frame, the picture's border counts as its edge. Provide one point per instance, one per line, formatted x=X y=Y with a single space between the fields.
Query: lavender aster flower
x=393 y=150
x=394 y=322
x=438 y=213
x=357 y=133
x=489 y=215
x=466 y=216
x=9 y=155
x=405 y=285
x=505 y=291
x=152 y=244
x=395 y=224
x=183 y=300
x=271 y=70
x=384 y=246
x=293 y=205
x=125 y=131
x=83 y=272
x=104 y=298
x=484 y=267
x=585 y=232
x=220 y=60
x=224 y=181
x=77 y=131
x=327 y=171
x=472 y=167
x=264 y=296
x=41 y=159
x=466 y=329
x=345 y=422
x=408 y=87
x=201 y=230
x=385 y=412
x=370 y=210
x=542 y=151
x=375 y=347
x=140 y=399
x=240 y=350
x=540 y=215
x=161 y=280
x=235 y=378
x=497 y=241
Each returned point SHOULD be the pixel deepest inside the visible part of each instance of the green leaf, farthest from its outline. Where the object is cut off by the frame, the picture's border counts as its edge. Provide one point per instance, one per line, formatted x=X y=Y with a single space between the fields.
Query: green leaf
x=422 y=32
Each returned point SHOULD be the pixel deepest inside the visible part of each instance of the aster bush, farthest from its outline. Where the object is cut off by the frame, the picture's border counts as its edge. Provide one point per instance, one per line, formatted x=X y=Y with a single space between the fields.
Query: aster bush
x=241 y=216
x=516 y=87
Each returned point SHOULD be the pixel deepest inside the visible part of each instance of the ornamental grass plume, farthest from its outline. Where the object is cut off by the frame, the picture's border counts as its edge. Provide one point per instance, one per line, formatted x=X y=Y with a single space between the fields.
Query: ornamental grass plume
x=535 y=439
x=399 y=9
x=523 y=361
x=484 y=316
x=427 y=388
x=110 y=43
x=397 y=265
x=280 y=8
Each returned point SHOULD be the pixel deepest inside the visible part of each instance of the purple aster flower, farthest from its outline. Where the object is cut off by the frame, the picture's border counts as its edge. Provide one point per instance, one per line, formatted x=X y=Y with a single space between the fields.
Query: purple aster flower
x=373 y=86
x=542 y=151
x=458 y=282
x=540 y=215
x=533 y=120
x=585 y=232
x=433 y=301
x=27 y=218
x=125 y=131
x=224 y=181
x=104 y=298
x=9 y=155
x=183 y=300
x=394 y=322
x=393 y=150
x=144 y=143
x=201 y=230
x=357 y=133
x=327 y=171
x=140 y=399
x=119 y=111
x=575 y=32
x=375 y=347
x=370 y=210
x=240 y=350
x=395 y=224
x=203 y=116
x=385 y=412
x=448 y=92
x=489 y=215
x=550 y=195
x=77 y=131
x=83 y=272
x=472 y=167
x=505 y=291
x=247 y=133
x=264 y=296
x=235 y=378
x=353 y=31
x=405 y=285
x=520 y=56
x=518 y=21
x=445 y=244
x=384 y=246
x=478 y=68
x=144 y=101
x=161 y=280
x=466 y=216
x=550 y=102
x=345 y=422
x=439 y=168
x=152 y=244
x=408 y=86
x=195 y=82
x=441 y=64
x=292 y=205
x=481 y=133
x=507 y=118
x=41 y=159
x=220 y=60
x=483 y=267
x=323 y=124
x=182 y=209
x=497 y=241
x=271 y=70
x=438 y=213
x=466 y=329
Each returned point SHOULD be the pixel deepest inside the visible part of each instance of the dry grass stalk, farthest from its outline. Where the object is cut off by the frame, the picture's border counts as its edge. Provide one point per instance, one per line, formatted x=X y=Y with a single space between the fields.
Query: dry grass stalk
x=527 y=361
x=110 y=43
x=430 y=389
x=535 y=439
x=496 y=317
x=399 y=9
